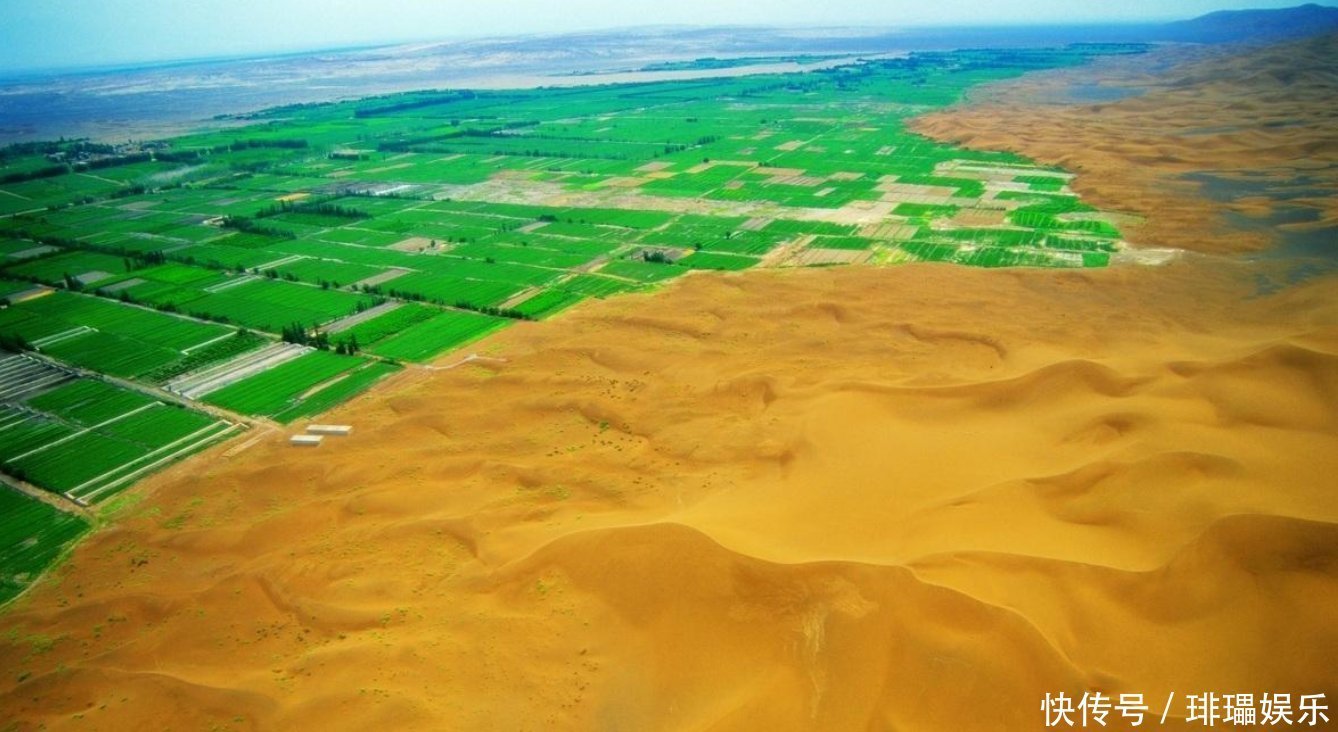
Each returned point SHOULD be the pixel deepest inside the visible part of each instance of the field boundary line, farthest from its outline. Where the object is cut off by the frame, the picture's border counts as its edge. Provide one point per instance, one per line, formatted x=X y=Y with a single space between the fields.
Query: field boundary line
x=260 y=435
x=64 y=335
x=86 y=430
x=225 y=336
x=350 y=321
x=163 y=395
x=58 y=501
x=119 y=184
x=281 y=261
x=467 y=359
x=22 y=213
x=140 y=306
x=213 y=434
x=17 y=393
x=13 y=420
x=229 y=284
x=197 y=385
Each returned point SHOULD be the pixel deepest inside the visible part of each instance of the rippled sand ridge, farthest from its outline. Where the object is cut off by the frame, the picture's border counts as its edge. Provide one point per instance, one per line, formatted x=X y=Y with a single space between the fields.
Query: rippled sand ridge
x=910 y=498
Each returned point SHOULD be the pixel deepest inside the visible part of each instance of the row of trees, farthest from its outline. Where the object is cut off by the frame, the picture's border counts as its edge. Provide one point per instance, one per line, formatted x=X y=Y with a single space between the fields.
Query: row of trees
x=411 y=104
x=262 y=143
x=299 y=334
x=458 y=304
x=248 y=226
x=323 y=208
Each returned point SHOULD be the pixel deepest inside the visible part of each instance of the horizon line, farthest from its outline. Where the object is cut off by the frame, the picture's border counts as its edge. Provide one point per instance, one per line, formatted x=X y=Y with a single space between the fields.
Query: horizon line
x=17 y=74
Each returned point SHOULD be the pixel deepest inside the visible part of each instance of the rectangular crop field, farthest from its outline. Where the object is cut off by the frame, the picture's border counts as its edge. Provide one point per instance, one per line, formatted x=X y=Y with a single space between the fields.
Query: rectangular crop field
x=116 y=434
x=32 y=535
x=285 y=387
x=429 y=338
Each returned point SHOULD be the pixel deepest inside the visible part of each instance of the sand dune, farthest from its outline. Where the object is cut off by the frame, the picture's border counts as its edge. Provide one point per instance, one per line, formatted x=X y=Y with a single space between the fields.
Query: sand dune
x=1254 y=118
x=909 y=498
x=912 y=498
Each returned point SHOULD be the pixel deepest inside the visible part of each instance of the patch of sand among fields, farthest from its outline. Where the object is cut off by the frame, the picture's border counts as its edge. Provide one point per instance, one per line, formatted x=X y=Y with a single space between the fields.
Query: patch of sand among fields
x=908 y=498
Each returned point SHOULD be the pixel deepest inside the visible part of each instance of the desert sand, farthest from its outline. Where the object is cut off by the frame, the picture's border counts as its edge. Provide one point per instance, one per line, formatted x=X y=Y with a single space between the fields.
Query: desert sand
x=1262 y=116
x=913 y=498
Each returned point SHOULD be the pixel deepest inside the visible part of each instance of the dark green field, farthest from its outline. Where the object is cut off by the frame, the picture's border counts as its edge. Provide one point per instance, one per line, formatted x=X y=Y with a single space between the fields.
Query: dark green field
x=88 y=439
x=32 y=535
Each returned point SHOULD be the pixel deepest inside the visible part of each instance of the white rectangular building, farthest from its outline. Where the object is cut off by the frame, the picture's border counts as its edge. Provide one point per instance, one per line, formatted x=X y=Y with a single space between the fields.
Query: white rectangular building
x=329 y=429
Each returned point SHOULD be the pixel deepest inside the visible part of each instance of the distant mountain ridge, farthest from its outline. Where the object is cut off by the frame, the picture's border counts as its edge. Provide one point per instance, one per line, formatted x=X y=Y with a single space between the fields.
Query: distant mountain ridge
x=1263 y=26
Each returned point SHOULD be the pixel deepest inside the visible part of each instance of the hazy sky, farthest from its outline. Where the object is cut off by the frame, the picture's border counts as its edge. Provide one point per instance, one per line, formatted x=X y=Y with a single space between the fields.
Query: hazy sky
x=55 y=33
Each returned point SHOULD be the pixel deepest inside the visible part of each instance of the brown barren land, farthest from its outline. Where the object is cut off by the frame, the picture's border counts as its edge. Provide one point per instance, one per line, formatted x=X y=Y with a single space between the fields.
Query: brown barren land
x=910 y=498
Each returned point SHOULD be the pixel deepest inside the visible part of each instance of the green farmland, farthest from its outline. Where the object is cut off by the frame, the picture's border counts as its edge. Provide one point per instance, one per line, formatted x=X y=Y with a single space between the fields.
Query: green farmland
x=443 y=331
x=32 y=535
x=117 y=434
x=471 y=199
x=104 y=335
x=285 y=392
x=271 y=270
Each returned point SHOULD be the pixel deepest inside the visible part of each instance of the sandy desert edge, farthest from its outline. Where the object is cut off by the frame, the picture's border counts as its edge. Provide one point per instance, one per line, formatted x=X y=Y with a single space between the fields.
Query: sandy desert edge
x=917 y=497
